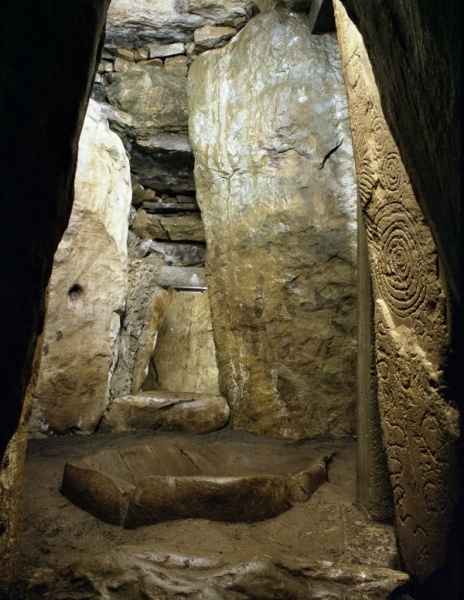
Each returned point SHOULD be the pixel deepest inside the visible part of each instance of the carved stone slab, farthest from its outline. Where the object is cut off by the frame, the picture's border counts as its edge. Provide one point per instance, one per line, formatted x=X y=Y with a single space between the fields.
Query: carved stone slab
x=419 y=426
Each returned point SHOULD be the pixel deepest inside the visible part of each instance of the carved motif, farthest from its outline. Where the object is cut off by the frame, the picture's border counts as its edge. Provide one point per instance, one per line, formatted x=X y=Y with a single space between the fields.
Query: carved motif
x=419 y=427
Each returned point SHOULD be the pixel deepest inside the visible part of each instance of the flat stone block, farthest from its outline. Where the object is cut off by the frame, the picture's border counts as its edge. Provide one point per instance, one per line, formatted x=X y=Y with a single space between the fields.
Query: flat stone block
x=195 y=413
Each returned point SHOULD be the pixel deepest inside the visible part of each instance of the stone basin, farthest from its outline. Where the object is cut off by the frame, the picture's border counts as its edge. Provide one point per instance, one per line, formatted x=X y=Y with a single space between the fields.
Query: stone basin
x=152 y=482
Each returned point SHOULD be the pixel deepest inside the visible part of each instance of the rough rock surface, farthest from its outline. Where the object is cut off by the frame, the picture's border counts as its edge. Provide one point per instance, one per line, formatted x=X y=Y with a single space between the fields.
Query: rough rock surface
x=154 y=99
x=164 y=161
x=12 y=482
x=145 y=309
x=194 y=413
x=173 y=576
x=182 y=278
x=151 y=483
x=176 y=255
x=420 y=428
x=184 y=359
x=276 y=186
x=133 y=22
x=175 y=228
x=148 y=108
x=88 y=286
x=322 y=548
x=213 y=36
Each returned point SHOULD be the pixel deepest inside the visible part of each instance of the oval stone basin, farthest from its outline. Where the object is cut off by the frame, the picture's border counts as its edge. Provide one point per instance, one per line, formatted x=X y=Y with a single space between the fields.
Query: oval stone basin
x=147 y=483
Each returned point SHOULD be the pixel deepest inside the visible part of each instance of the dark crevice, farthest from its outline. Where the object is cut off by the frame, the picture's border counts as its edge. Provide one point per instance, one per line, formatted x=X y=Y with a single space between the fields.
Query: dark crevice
x=329 y=154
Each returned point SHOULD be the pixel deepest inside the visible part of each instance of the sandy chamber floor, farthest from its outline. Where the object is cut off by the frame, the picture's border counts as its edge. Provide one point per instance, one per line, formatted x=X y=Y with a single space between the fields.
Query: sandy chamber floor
x=323 y=548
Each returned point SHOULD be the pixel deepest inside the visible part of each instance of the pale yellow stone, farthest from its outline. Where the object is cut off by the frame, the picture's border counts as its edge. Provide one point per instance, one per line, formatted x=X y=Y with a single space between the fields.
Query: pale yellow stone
x=88 y=285
x=185 y=356
x=275 y=182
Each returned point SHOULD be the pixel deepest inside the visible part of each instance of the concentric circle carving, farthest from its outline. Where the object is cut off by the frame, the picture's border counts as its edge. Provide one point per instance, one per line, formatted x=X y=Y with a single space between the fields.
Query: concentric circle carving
x=400 y=270
x=377 y=128
x=390 y=173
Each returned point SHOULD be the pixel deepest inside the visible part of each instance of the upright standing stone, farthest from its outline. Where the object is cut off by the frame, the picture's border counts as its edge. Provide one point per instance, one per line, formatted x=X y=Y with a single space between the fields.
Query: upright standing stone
x=88 y=286
x=420 y=427
x=184 y=356
x=373 y=483
x=276 y=186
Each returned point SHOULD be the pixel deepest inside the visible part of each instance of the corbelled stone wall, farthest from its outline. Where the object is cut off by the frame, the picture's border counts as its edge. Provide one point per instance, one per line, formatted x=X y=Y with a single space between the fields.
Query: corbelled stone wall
x=88 y=287
x=276 y=185
x=420 y=427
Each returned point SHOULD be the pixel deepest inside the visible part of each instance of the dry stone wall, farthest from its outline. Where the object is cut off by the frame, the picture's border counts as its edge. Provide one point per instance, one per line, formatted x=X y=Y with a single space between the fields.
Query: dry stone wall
x=276 y=185
x=419 y=426
x=141 y=86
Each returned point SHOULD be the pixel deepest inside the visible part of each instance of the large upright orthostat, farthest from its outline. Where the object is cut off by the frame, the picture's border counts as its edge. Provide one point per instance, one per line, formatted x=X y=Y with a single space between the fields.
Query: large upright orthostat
x=419 y=427
x=88 y=286
x=40 y=132
x=276 y=186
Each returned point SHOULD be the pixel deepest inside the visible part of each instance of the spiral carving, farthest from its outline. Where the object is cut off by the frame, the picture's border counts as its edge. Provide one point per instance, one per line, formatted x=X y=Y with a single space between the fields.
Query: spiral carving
x=390 y=173
x=400 y=274
x=410 y=324
x=377 y=128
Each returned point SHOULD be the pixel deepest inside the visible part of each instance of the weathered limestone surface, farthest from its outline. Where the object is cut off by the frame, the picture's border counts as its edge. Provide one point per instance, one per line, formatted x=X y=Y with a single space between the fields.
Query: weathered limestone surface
x=213 y=36
x=195 y=413
x=183 y=278
x=148 y=108
x=420 y=427
x=276 y=186
x=88 y=286
x=184 y=359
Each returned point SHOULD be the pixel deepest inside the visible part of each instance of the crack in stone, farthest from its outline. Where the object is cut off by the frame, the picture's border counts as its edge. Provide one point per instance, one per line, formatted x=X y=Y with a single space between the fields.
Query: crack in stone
x=329 y=154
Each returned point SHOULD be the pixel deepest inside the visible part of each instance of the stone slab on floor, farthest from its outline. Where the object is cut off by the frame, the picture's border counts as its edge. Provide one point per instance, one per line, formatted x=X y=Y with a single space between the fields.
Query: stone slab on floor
x=194 y=413
x=161 y=480
x=64 y=550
